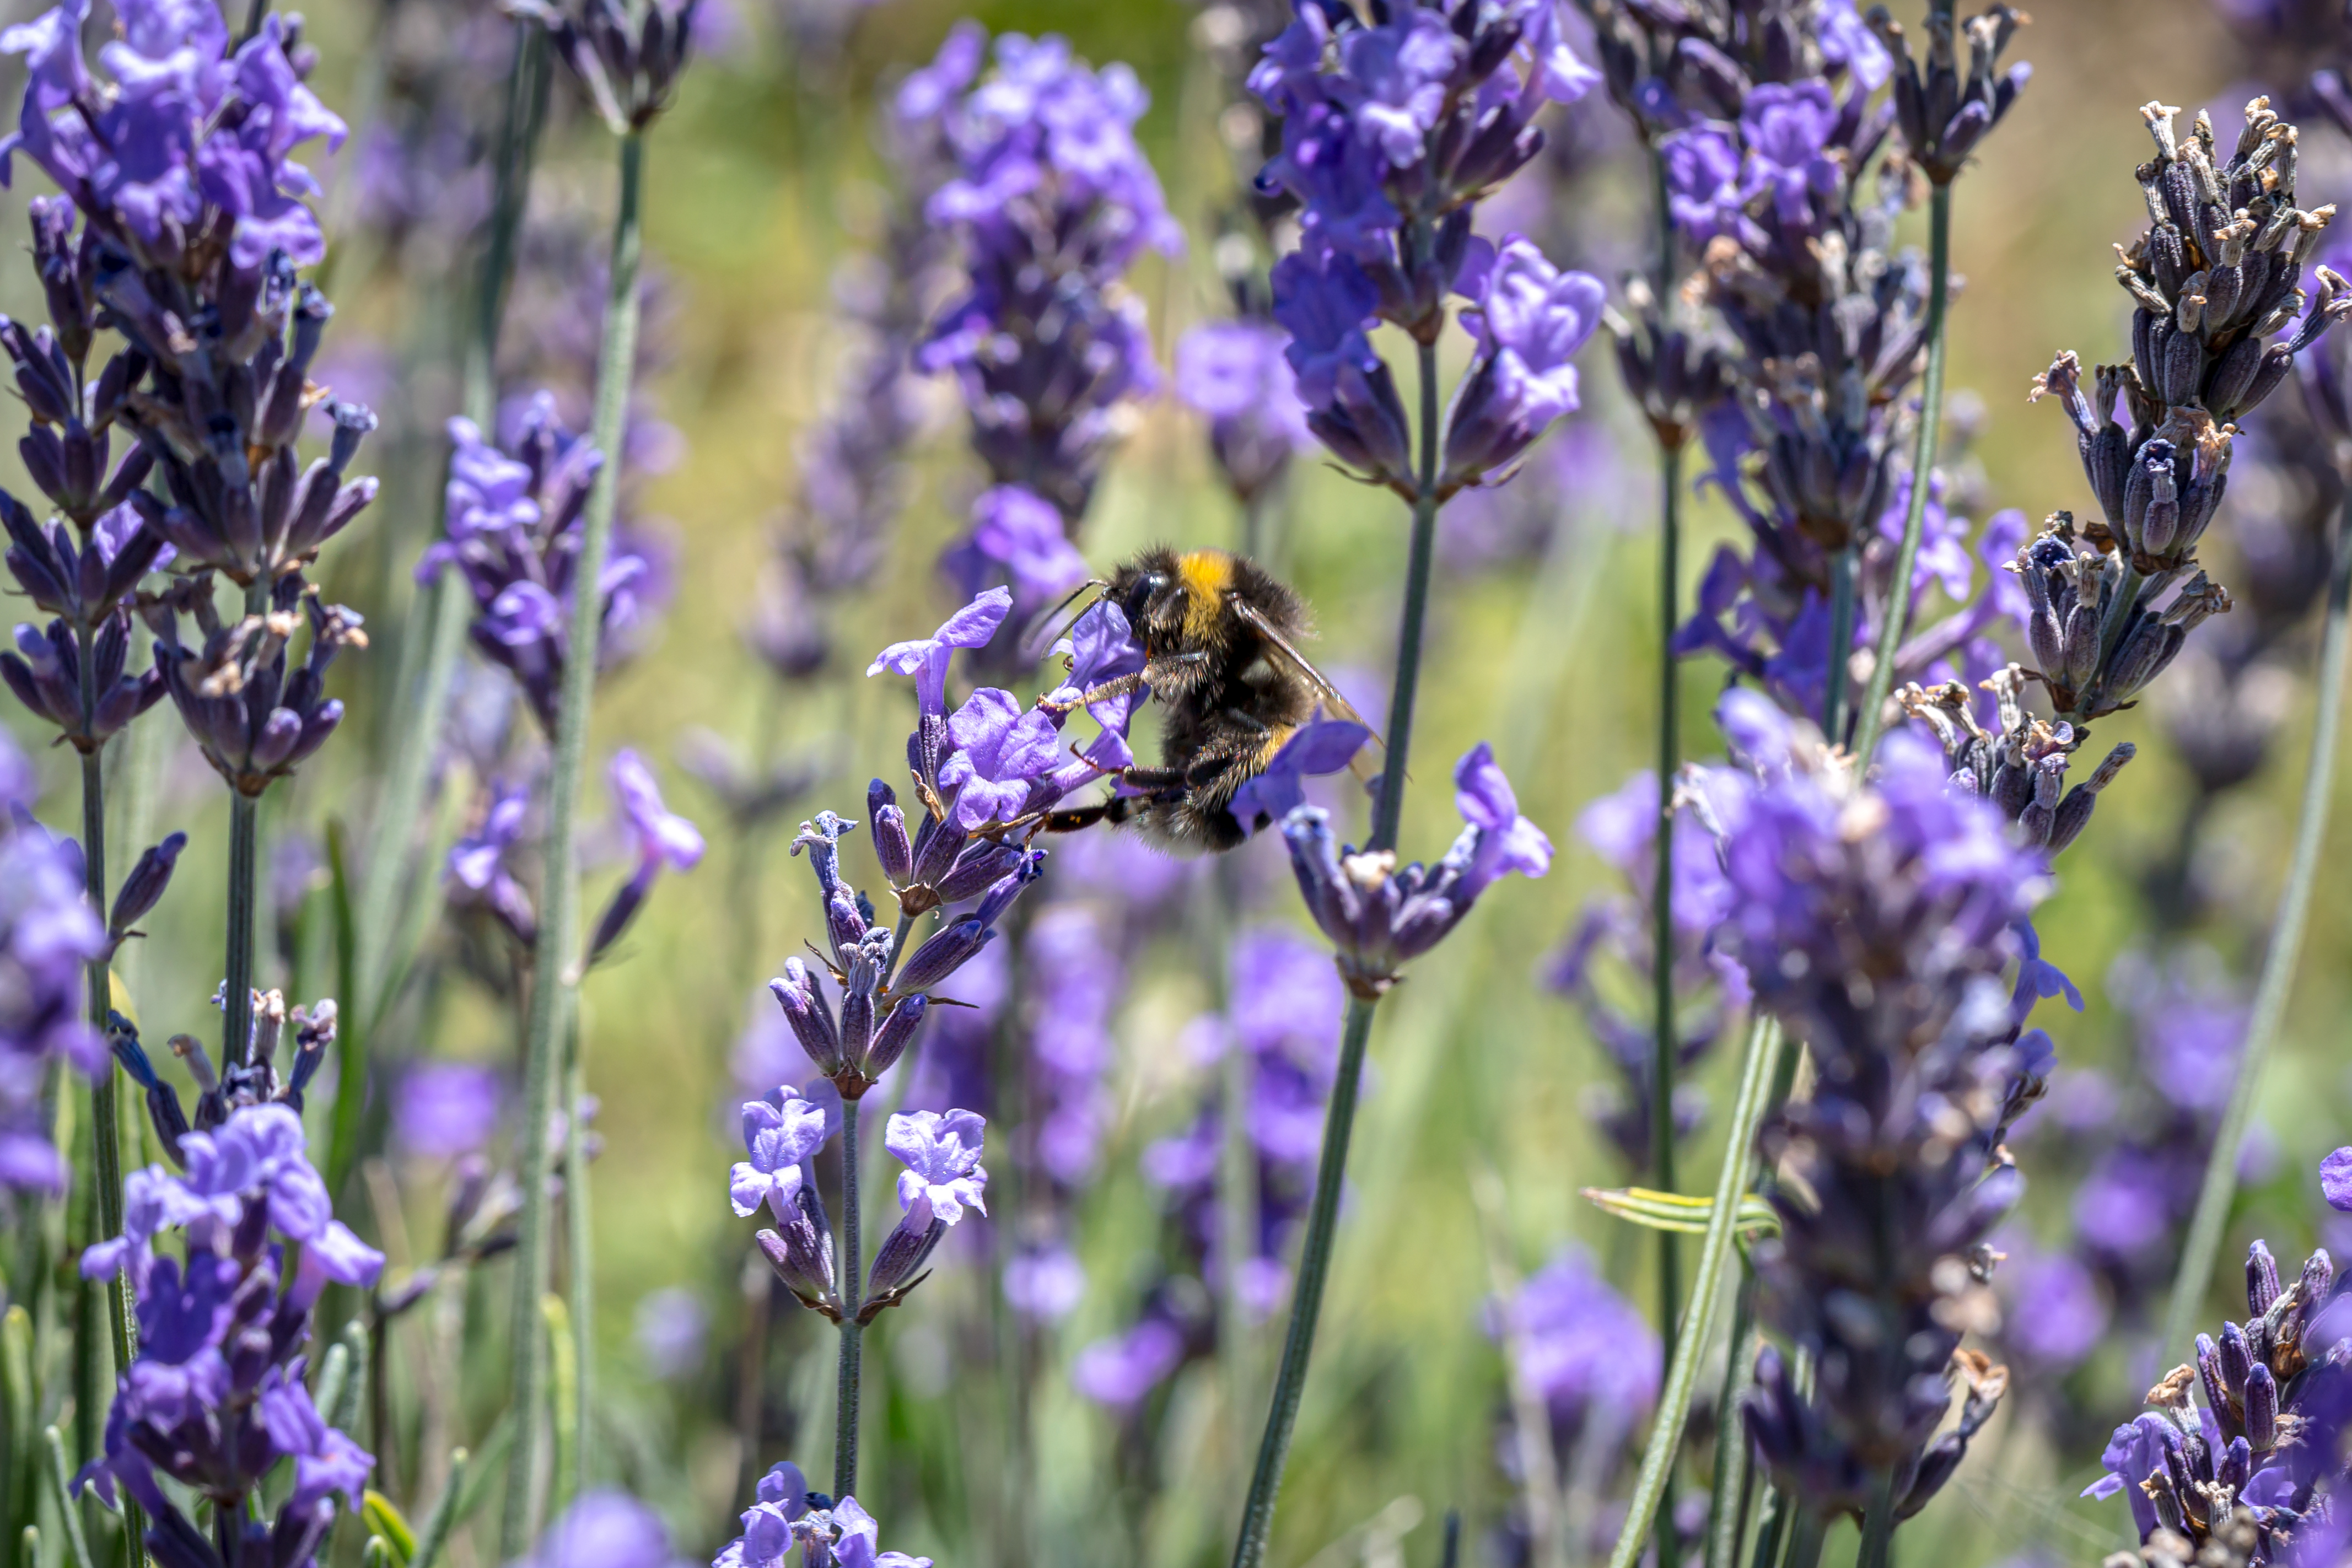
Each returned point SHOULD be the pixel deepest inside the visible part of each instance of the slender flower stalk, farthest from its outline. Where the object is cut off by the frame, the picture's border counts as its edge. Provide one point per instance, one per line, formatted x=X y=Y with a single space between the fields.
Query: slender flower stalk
x=2203 y=1244
x=846 y=1402
x=1666 y=1041
x=447 y=611
x=556 y=957
x=1756 y=1074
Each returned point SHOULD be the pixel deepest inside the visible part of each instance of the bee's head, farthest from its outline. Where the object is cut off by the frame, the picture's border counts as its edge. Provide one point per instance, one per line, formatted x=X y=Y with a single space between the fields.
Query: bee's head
x=1134 y=589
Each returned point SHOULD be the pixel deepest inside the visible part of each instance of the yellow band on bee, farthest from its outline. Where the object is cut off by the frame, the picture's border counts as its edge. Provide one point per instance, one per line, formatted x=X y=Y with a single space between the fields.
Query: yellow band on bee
x=1207 y=575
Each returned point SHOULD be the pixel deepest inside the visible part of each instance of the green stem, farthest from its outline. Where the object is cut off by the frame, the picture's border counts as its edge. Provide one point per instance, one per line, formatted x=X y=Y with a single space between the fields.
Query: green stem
x=1661 y=934
x=581 y=1241
x=446 y=612
x=1878 y=1524
x=2203 y=1247
x=1389 y=811
x=1840 y=664
x=556 y=965
x=1923 y=465
x=1805 y=1538
x=1715 y=1254
x=236 y=993
x=1338 y=1124
x=1314 y=1266
x=852 y=1266
x=1734 y=1478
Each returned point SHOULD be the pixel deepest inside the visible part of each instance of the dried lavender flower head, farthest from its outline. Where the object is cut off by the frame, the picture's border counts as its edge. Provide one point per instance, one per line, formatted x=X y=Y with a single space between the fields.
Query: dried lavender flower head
x=2217 y=276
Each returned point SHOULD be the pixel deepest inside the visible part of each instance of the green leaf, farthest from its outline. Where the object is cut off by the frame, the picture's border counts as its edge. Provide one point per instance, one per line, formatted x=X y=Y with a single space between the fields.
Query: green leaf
x=383 y=1521
x=1682 y=1215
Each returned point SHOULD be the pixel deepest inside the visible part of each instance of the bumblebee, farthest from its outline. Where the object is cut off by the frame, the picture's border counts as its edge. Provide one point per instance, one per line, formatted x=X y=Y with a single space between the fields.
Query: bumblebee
x=1220 y=637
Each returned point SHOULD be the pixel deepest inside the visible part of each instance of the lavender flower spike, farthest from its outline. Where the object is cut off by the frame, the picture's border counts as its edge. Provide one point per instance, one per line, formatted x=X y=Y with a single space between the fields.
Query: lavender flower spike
x=1380 y=917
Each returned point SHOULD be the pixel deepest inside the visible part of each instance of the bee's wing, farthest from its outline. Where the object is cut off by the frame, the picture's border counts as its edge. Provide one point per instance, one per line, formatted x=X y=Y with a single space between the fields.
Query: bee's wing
x=1284 y=650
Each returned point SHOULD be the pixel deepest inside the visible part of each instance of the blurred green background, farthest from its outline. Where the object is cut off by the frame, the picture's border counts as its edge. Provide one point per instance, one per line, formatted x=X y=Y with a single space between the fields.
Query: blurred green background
x=761 y=181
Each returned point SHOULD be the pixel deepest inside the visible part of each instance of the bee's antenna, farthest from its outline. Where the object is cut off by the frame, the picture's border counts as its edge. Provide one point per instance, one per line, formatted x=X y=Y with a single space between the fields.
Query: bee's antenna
x=1033 y=643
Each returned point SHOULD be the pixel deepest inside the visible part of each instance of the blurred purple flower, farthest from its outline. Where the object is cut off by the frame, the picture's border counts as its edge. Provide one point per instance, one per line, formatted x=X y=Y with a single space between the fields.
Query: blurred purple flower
x=444 y=1109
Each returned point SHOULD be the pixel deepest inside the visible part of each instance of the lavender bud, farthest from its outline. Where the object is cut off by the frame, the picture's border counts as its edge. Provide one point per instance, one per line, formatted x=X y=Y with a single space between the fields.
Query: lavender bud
x=887 y=825
x=1000 y=894
x=897 y=1031
x=812 y=1020
x=942 y=954
x=975 y=868
x=897 y=1262
x=2262 y=1279
x=2235 y=1362
x=2262 y=1408
x=2210 y=1373
x=801 y=1252
x=146 y=884
x=2237 y=1464
x=353 y=422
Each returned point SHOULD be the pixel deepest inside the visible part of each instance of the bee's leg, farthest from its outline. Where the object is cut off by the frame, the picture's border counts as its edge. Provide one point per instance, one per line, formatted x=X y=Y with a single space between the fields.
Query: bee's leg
x=1116 y=809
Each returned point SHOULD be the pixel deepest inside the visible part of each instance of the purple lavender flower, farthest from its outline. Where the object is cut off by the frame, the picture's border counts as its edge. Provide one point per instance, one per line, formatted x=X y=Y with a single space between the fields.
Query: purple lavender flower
x=1703 y=193
x=446 y=1109
x=2264 y=1451
x=1788 y=128
x=926 y=660
x=663 y=839
x=782 y=1139
x=214 y=1398
x=627 y=61
x=1326 y=304
x=1426 y=113
x=194 y=227
x=481 y=864
x=47 y=933
x=1583 y=1349
x=254 y=716
x=1877 y=924
x=941 y=1153
x=1530 y=319
x=605 y=1529
x=841 y=1536
x=512 y=521
x=1016 y=534
x=1379 y=916
x=1053 y=201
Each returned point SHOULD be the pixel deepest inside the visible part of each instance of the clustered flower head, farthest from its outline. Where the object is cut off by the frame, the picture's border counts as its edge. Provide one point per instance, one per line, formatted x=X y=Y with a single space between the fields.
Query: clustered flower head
x=2218 y=274
x=1380 y=916
x=992 y=769
x=1391 y=132
x=258 y=1079
x=625 y=57
x=943 y=1179
x=1877 y=924
x=1054 y=202
x=193 y=225
x=828 y=1533
x=1617 y=935
x=2259 y=1467
x=514 y=524
x=215 y=1398
x=255 y=715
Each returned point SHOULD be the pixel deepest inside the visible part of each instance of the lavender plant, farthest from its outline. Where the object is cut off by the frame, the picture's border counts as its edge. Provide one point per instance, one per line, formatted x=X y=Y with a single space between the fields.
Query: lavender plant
x=1391 y=133
x=627 y=65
